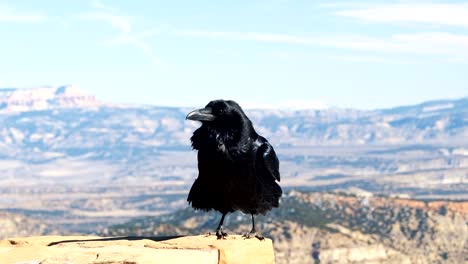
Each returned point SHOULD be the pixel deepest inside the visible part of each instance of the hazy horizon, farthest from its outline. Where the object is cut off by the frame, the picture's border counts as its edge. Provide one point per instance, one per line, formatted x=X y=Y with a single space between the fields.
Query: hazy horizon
x=290 y=105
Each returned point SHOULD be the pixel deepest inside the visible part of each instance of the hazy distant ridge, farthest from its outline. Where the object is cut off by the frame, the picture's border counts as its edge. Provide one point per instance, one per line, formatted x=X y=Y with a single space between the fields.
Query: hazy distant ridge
x=71 y=119
x=44 y=98
x=60 y=132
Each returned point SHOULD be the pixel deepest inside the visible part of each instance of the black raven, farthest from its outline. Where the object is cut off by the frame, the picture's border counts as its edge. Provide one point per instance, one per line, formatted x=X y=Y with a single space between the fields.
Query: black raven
x=237 y=168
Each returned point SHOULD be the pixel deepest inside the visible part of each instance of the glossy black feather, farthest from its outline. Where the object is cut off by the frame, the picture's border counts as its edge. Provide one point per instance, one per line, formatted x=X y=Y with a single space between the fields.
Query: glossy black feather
x=238 y=169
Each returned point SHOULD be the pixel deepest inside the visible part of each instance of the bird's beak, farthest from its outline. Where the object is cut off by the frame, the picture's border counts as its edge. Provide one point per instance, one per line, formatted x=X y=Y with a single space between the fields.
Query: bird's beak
x=204 y=114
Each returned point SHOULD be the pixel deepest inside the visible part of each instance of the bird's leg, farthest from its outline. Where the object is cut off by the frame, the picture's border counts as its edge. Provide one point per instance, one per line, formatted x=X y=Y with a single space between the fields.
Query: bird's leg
x=220 y=234
x=253 y=232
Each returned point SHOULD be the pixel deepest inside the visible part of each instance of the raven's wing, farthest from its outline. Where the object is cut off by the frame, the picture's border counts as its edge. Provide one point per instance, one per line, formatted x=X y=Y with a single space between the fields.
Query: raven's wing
x=267 y=155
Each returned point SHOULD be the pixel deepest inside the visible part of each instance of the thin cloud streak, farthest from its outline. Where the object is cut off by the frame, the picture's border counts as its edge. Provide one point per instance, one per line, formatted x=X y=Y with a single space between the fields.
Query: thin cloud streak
x=435 y=14
x=100 y=5
x=262 y=37
x=372 y=59
x=10 y=15
x=123 y=24
x=433 y=43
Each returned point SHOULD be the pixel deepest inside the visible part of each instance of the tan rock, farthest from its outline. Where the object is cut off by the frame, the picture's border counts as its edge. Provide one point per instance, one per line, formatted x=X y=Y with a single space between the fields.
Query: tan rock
x=89 y=249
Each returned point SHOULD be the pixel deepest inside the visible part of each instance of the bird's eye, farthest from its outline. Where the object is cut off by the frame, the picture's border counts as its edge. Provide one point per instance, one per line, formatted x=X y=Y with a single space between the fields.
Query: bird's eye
x=222 y=111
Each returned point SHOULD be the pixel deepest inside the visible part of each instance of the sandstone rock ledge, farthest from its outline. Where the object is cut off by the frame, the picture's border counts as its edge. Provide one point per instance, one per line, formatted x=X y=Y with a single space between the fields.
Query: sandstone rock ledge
x=134 y=250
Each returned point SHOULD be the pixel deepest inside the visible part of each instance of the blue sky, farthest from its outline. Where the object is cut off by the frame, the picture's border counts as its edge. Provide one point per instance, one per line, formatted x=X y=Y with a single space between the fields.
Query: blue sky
x=275 y=53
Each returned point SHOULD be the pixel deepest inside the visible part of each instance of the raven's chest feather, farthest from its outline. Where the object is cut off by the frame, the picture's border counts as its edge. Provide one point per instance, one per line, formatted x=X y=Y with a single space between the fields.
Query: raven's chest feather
x=223 y=156
x=224 y=162
x=223 y=153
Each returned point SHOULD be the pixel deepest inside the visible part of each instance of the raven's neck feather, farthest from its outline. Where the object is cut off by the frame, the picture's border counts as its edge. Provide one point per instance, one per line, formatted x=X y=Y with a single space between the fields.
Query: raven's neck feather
x=225 y=137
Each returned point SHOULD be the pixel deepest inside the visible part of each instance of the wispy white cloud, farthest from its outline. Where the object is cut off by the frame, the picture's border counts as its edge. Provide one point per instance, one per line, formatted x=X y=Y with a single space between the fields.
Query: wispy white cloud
x=99 y=5
x=119 y=22
x=9 y=14
x=432 y=43
x=427 y=13
x=380 y=59
x=262 y=37
x=441 y=44
x=123 y=24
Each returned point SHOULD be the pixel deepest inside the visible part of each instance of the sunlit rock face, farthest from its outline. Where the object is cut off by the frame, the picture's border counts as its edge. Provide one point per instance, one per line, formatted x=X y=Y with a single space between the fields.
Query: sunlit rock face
x=138 y=250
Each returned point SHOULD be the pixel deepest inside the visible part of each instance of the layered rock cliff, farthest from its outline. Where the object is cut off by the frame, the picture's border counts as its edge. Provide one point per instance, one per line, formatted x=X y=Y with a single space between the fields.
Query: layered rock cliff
x=337 y=228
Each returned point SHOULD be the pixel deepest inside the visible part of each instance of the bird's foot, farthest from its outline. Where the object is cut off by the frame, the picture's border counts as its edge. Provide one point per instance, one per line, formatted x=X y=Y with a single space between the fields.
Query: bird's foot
x=220 y=234
x=253 y=234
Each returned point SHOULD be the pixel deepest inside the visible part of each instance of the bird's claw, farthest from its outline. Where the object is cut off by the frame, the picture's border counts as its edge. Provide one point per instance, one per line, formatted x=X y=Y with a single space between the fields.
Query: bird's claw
x=252 y=235
x=221 y=235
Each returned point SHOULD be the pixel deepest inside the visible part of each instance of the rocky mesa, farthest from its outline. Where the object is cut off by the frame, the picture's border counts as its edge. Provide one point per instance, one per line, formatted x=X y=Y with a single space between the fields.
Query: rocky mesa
x=44 y=98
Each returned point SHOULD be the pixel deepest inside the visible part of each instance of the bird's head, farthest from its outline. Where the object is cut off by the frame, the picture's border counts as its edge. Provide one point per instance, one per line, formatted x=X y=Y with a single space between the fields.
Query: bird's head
x=218 y=113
